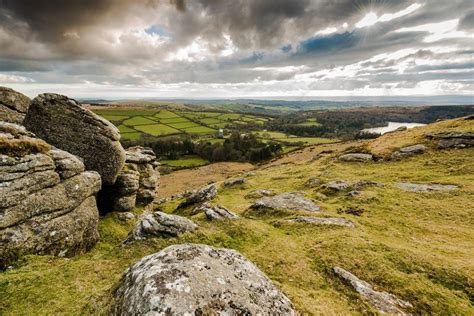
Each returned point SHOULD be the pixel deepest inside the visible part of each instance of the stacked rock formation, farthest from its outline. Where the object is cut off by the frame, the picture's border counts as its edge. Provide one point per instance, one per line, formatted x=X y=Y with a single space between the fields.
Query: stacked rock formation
x=47 y=203
x=64 y=123
x=13 y=105
x=136 y=184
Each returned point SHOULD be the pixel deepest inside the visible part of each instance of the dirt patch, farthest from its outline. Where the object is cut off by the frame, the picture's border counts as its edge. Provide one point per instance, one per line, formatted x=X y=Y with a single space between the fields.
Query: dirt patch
x=182 y=180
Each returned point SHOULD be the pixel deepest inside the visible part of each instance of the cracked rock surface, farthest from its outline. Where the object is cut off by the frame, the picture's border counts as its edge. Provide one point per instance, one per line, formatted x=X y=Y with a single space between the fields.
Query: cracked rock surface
x=194 y=279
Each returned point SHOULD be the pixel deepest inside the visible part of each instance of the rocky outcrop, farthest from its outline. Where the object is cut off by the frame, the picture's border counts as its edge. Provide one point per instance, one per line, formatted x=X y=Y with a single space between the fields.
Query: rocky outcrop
x=13 y=105
x=453 y=139
x=216 y=213
x=161 y=224
x=47 y=203
x=357 y=157
x=323 y=221
x=143 y=160
x=65 y=124
x=415 y=187
x=409 y=151
x=384 y=302
x=191 y=279
x=202 y=195
x=289 y=201
x=122 y=196
x=136 y=184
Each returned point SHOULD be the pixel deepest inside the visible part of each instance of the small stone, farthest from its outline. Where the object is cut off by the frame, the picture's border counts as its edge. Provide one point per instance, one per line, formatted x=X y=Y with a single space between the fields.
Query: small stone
x=353 y=193
x=312 y=182
x=125 y=216
x=216 y=212
x=234 y=181
x=357 y=157
x=414 y=187
x=409 y=151
x=161 y=224
x=384 y=302
x=336 y=186
x=290 y=201
x=256 y=194
x=367 y=183
x=204 y=194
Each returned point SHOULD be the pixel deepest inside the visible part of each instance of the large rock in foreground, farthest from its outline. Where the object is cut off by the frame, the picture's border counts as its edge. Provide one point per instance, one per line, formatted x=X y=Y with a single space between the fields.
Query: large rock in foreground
x=13 y=105
x=192 y=279
x=47 y=202
x=63 y=123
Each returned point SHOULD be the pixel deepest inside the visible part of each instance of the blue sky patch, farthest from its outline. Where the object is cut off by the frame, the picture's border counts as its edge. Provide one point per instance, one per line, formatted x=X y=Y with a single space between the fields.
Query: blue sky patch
x=157 y=30
x=330 y=43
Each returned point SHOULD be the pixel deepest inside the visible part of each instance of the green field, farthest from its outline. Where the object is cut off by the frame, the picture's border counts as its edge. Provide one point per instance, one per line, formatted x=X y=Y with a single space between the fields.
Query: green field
x=114 y=118
x=132 y=136
x=138 y=120
x=125 y=129
x=157 y=123
x=210 y=121
x=164 y=114
x=157 y=129
x=199 y=130
x=183 y=125
x=174 y=120
x=186 y=162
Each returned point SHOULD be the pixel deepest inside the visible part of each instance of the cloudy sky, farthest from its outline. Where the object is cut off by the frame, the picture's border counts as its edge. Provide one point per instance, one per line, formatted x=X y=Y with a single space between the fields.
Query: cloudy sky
x=237 y=48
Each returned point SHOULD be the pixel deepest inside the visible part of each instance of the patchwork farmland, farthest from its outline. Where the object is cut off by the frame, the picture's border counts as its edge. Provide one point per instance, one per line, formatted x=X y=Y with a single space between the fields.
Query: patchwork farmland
x=133 y=123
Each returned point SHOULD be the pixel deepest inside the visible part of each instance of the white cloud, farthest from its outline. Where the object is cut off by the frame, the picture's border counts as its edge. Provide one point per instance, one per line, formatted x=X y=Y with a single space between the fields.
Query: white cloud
x=438 y=31
x=371 y=18
x=7 y=79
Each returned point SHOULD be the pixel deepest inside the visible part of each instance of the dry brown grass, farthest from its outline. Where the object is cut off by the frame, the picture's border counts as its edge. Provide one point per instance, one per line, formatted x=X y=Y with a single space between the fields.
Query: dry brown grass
x=188 y=179
x=23 y=146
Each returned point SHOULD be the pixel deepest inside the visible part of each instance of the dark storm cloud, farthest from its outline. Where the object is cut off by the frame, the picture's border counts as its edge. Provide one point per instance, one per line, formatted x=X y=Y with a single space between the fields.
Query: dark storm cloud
x=147 y=42
x=49 y=20
x=467 y=22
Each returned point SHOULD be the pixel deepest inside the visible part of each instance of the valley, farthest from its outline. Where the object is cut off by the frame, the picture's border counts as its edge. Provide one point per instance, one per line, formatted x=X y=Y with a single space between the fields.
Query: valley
x=415 y=245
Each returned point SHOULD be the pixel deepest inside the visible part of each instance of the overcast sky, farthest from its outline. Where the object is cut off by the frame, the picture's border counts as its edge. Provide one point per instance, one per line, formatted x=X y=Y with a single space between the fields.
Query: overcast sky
x=237 y=48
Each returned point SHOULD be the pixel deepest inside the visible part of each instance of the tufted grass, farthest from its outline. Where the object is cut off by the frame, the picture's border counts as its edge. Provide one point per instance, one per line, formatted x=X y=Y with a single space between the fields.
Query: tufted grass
x=418 y=246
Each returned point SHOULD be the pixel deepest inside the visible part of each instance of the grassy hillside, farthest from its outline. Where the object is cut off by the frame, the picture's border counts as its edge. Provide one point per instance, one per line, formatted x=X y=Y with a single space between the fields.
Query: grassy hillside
x=418 y=246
